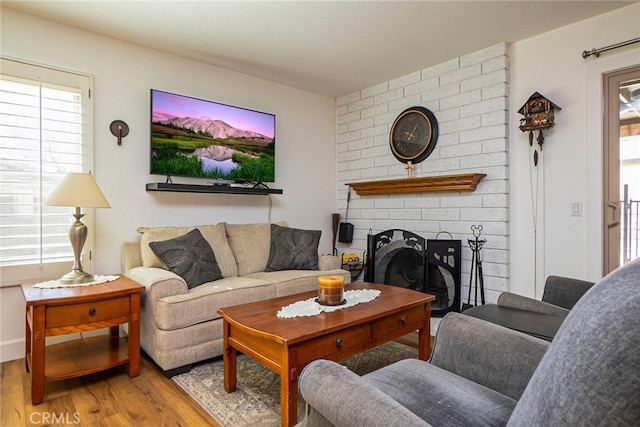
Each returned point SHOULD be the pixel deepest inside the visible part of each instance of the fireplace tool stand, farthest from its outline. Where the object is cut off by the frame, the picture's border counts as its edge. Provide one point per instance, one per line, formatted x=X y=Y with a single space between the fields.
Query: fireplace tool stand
x=476 y=267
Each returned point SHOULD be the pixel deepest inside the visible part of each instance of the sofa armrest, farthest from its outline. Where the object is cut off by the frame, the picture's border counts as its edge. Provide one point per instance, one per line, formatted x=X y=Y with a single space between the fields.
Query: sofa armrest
x=340 y=397
x=130 y=256
x=159 y=283
x=564 y=291
x=507 y=299
x=329 y=262
x=481 y=351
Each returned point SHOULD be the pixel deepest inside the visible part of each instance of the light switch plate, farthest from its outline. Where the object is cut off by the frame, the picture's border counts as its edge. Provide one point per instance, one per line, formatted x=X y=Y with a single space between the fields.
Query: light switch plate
x=576 y=208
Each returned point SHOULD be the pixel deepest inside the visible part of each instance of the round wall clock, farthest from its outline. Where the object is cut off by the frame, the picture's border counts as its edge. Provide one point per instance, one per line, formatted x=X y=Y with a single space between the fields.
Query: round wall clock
x=413 y=135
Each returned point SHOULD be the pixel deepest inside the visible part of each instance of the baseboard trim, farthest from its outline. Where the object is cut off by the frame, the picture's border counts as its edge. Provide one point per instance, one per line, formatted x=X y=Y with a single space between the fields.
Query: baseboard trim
x=11 y=350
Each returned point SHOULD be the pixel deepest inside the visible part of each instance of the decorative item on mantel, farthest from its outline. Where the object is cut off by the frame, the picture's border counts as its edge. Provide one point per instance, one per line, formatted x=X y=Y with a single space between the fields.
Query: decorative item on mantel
x=413 y=136
x=539 y=113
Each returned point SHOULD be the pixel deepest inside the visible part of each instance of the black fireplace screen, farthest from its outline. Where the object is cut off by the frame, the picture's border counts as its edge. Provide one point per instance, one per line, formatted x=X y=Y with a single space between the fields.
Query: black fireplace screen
x=396 y=257
x=444 y=274
x=405 y=259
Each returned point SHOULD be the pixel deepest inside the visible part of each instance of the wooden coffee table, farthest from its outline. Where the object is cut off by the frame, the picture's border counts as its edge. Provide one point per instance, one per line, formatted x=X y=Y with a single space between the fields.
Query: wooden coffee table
x=286 y=346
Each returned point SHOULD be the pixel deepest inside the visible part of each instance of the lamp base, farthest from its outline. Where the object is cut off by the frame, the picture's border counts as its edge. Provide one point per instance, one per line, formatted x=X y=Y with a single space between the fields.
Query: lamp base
x=75 y=277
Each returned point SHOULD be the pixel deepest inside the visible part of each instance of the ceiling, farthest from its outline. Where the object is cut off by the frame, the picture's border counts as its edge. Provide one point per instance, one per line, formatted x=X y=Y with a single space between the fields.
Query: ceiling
x=331 y=48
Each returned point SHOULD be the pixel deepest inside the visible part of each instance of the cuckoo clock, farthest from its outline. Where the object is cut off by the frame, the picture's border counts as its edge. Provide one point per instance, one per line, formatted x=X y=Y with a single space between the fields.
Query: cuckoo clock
x=539 y=113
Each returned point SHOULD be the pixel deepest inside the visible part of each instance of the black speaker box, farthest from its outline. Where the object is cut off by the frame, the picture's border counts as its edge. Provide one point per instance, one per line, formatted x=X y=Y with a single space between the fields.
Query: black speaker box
x=345 y=233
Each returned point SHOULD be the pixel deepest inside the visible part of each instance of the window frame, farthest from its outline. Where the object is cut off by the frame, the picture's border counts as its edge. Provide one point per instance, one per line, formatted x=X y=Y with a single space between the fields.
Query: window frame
x=15 y=275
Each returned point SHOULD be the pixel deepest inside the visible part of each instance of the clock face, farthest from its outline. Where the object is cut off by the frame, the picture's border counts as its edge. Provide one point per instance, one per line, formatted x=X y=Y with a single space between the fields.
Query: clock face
x=413 y=135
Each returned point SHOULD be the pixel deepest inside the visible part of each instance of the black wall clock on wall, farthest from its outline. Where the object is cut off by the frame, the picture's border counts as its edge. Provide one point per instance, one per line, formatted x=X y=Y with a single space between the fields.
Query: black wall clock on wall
x=413 y=135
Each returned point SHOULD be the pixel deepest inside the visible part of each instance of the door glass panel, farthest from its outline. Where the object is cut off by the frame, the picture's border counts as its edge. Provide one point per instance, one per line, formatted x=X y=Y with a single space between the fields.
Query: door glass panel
x=629 y=94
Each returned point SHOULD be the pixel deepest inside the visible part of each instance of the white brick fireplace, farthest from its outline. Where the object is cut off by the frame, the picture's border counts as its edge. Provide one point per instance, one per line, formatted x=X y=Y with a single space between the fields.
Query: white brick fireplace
x=469 y=97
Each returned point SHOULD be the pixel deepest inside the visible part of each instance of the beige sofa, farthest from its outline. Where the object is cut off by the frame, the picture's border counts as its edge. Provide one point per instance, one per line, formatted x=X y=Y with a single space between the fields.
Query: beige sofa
x=181 y=326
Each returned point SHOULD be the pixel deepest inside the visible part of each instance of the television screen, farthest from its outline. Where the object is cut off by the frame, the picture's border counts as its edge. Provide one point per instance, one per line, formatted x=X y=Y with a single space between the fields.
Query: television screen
x=197 y=138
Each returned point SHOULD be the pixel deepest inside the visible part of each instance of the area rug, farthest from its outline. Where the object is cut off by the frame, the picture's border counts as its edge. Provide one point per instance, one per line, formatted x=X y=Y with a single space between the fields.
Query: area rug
x=256 y=400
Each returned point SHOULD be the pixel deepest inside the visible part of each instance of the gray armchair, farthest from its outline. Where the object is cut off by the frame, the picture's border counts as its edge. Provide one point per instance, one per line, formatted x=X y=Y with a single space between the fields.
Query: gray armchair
x=541 y=319
x=559 y=296
x=483 y=374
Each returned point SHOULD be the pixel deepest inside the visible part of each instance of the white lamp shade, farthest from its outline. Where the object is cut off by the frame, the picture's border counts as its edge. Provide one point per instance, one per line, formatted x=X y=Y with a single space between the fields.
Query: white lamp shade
x=78 y=190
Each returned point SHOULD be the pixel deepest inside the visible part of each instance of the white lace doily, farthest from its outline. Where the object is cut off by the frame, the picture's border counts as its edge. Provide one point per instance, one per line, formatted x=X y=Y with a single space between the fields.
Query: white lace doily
x=310 y=307
x=56 y=283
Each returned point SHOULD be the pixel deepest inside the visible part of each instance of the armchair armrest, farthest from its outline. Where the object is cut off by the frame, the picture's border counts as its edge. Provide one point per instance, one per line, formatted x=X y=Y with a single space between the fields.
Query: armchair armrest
x=488 y=354
x=564 y=291
x=507 y=299
x=340 y=397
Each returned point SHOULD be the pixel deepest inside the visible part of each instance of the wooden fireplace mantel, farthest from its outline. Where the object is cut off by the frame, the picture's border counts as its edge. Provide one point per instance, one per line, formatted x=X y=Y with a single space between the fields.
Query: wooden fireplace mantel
x=427 y=184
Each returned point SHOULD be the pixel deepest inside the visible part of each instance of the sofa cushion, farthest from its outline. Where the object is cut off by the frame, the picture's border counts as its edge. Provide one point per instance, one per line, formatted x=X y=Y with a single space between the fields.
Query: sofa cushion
x=288 y=282
x=293 y=249
x=431 y=393
x=214 y=234
x=250 y=246
x=190 y=257
x=217 y=238
x=201 y=304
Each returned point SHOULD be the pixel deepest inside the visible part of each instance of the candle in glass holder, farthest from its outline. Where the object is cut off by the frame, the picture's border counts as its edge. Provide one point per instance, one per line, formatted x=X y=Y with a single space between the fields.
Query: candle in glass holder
x=330 y=290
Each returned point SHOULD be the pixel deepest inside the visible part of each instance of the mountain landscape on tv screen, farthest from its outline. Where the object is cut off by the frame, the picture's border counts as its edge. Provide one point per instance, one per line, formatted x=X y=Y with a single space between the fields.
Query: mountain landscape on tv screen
x=216 y=129
x=188 y=146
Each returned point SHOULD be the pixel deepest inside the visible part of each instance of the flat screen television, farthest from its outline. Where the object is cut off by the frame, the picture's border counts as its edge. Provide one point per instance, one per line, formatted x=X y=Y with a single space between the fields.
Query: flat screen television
x=205 y=139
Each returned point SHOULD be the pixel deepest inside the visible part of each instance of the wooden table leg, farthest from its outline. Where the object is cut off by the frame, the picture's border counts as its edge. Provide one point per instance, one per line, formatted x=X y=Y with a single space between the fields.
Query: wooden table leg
x=134 y=336
x=289 y=389
x=27 y=339
x=229 y=356
x=37 y=355
x=424 y=335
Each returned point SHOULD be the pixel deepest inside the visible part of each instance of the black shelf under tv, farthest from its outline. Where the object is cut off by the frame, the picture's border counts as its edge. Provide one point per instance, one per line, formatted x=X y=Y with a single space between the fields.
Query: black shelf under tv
x=196 y=188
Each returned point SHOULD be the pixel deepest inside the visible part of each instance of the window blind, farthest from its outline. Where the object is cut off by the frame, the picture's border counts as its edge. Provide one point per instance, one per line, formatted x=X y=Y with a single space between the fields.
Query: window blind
x=41 y=140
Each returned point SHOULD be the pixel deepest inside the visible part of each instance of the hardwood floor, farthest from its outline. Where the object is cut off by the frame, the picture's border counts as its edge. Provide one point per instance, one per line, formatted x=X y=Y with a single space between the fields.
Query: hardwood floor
x=108 y=399
x=105 y=399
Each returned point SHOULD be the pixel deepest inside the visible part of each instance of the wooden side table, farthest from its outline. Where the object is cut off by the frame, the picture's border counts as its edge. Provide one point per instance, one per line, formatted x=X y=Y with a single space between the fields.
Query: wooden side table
x=61 y=311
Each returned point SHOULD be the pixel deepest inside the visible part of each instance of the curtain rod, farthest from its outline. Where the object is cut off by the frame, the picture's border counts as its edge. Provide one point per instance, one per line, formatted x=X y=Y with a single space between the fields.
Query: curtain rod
x=596 y=52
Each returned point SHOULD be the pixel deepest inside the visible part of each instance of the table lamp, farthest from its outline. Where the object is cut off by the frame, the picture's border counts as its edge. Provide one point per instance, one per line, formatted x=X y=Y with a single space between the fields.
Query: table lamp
x=77 y=190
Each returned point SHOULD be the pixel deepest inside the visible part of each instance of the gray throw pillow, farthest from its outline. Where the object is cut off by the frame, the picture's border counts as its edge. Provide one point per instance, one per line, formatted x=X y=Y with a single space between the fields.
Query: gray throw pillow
x=189 y=256
x=293 y=249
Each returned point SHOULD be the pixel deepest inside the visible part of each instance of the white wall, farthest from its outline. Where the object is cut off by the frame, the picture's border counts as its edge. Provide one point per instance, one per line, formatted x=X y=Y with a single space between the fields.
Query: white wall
x=571 y=165
x=124 y=73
